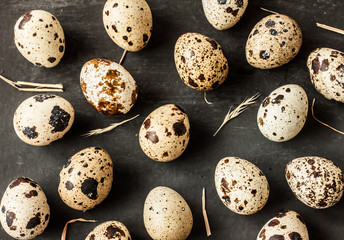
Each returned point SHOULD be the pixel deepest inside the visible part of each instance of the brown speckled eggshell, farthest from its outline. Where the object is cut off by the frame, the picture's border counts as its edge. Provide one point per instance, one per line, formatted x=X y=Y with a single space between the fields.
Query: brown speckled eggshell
x=326 y=69
x=109 y=230
x=273 y=42
x=25 y=212
x=241 y=185
x=166 y=215
x=315 y=181
x=108 y=86
x=200 y=61
x=165 y=133
x=42 y=119
x=39 y=37
x=286 y=225
x=86 y=180
x=128 y=23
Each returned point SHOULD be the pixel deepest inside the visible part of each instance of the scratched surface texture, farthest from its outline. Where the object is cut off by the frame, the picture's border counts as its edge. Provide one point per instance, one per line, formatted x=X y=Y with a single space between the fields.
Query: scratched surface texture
x=153 y=68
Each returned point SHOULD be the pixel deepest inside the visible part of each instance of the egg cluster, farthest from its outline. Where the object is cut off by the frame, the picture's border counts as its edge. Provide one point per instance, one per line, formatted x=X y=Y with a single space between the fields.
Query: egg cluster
x=87 y=177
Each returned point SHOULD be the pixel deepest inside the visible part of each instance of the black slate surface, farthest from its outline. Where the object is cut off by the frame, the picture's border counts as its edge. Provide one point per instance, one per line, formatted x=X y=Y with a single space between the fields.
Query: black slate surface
x=158 y=81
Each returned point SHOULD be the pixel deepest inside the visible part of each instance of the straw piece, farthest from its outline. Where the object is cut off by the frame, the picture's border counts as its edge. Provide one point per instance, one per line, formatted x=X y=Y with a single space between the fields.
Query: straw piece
x=205 y=98
x=64 y=233
x=205 y=216
x=333 y=29
x=123 y=56
x=267 y=10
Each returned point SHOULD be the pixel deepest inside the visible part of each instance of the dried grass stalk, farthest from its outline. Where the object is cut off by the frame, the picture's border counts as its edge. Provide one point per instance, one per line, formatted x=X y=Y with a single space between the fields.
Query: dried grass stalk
x=205 y=216
x=123 y=56
x=323 y=122
x=205 y=98
x=240 y=109
x=64 y=233
x=39 y=87
x=107 y=129
x=333 y=29
x=267 y=10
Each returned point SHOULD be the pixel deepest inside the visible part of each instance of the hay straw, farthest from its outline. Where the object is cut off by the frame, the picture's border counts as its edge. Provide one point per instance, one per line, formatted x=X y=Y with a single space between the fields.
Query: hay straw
x=205 y=216
x=267 y=10
x=64 y=233
x=333 y=29
x=205 y=98
x=123 y=56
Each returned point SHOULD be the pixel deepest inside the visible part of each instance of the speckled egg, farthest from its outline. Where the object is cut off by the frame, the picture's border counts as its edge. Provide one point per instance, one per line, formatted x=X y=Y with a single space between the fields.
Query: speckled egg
x=326 y=68
x=286 y=225
x=241 y=185
x=315 y=181
x=166 y=215
x=86 y=179
x=273 y=42
x=109 y=230
x=164 y=134
x=25 y=211
x=39 y=37
x=108 y=86
x=200 y=61
x=128 y=23
x=282 y=114
x=42 y=119
x=224 y=14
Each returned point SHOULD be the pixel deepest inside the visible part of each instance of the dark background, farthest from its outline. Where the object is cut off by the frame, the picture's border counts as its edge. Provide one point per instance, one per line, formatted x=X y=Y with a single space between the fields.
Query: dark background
x=154 y=70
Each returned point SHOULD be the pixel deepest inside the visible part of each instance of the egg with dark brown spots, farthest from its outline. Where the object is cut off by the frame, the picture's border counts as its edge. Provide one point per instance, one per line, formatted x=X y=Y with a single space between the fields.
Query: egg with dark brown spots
x=164 y=134
x=326 y=69
x=109 y=230
x=224 y=14
x=39 y=37
x=166 y=215
x=315 y=181
x=42 y=119
x=86 y=179
x=128 y=23
x=200 y=61
x=25 y=212
x=241 y=185
x=274 y=41
x=282 y=114
x=286 y=225
x=108 y=86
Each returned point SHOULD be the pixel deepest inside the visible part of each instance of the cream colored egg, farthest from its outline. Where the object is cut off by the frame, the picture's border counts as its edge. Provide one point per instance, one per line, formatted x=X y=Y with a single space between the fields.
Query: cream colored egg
x=164 y=134
x=25 y=212
x=108 y=86
x=283 y=113
x=273 y=42
x=315 y=181
x=39 y=37
x=42 y=119
x=128 y=23
x=86 y=180
x=166 y=215
x=241 y=185
x=200 y=61
x=109 y=230
x=286 y=225
x=224 y=14
x=326 y=69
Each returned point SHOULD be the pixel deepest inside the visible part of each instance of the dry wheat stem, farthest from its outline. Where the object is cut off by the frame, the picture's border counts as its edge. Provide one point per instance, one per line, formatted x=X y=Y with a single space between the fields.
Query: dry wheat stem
x=323 y=122
x=205 y=216
x=267 y=10
x=64 y=233
x=205 y=98
x=236 y=112
x=123 y=56
x=333 y=29
x=107 y=129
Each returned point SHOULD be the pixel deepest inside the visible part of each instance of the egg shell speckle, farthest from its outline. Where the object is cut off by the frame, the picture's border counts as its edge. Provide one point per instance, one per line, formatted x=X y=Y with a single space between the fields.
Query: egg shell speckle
x=200 y=61
x=128 y=23
x=326 y=69
x=286 y=225
x=241 y=185
x=224 y=14
x=42 y=119
x=274 y=41
x=25 y=212
x=86 y=180
x=315 y=181
x=283 y=113
x=39 y=37
x=166 y=215
x=165 y=133
x=109 y=230
x=108 y=86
